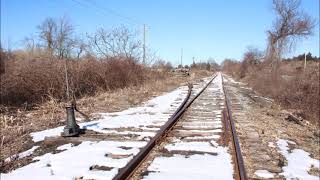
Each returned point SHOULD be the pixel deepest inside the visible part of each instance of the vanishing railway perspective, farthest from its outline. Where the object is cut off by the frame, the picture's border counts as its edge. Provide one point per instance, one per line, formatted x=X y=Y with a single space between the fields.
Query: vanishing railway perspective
x=204 y=130
x=190 y=148
x=173 y=90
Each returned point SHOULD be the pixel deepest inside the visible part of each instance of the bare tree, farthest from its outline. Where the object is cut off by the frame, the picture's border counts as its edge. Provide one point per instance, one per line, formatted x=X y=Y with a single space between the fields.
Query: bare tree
x=57 y=37
x=290 y=25
x=162 y=65
x=29 y=43
x=64 y=38
x=47 y=33
x=81 y=47
x=117 y=42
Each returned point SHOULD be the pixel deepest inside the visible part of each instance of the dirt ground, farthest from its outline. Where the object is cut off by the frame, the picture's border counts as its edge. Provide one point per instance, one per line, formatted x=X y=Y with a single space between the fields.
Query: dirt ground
x=17 y=123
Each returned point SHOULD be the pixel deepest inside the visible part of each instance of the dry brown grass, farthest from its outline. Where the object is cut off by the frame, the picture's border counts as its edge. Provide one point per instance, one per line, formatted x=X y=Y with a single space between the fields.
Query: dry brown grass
x=37 y=80
x=296 y=89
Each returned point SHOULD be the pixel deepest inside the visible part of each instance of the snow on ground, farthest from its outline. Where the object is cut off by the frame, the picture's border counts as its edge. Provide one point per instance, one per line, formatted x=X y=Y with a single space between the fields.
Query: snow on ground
x=180 y=167
x=264 y=174
x=231 y=80
x=145 y=115
x=202 y=126
x=75 y=161
x=203 y=137
x=200 y=131
x=192 y=146
x=23 y=154
x=299 y=162
x=270 y=144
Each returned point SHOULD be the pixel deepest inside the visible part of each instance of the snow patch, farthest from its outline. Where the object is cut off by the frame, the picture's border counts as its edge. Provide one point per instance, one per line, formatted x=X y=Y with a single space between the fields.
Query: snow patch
x=65 y=147
x=299 y=162
x=202 y=137
x=22 y=155
x=191 y=146
x=75 y=162
x=271 y=144
x=264 y=174
x=193 y=167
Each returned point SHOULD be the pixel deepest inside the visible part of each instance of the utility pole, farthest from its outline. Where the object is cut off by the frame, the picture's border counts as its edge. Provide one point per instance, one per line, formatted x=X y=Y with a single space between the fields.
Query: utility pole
x=181 y=56
x=144 y=43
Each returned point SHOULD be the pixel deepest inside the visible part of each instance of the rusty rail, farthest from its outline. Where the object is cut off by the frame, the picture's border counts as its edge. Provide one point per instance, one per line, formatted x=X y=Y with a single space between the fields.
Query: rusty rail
x=127 y=171
x=241 y=171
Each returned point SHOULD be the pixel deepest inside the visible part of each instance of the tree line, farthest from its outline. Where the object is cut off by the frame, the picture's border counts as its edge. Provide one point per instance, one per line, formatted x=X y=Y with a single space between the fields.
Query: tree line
x=56 y=38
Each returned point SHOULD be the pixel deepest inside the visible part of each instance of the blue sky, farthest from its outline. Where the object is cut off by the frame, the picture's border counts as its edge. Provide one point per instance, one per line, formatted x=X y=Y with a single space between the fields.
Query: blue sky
x=203 y=28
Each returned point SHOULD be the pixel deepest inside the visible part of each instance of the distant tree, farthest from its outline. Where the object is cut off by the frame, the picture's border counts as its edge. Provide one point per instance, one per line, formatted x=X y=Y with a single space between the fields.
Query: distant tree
x=81 y=47
x=251 y=59
x=290 y=24
x=208 y=67
x=162 y=64
x=29 y=43
x=231 y=67
x=300 y=57
x=193 y=65
x=168 y=66
x=159 y=63
x=213 y=65
x=309 y=56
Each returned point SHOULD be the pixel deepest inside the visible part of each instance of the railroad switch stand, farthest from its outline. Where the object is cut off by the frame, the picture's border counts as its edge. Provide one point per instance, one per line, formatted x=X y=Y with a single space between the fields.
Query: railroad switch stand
x=72 y=128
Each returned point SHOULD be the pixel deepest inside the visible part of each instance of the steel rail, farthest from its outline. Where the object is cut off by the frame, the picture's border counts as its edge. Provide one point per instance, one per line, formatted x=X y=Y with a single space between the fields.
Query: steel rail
x=242 y=175
x=127 y=171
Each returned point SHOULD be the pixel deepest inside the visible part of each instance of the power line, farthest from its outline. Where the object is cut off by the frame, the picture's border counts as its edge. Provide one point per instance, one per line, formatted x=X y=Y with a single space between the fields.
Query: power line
x=114 y=12
x=107 y=11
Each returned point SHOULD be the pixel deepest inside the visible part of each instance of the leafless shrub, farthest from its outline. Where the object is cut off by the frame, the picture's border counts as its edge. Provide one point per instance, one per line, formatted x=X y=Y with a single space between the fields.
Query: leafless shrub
x=231 y=67
x=38 y=79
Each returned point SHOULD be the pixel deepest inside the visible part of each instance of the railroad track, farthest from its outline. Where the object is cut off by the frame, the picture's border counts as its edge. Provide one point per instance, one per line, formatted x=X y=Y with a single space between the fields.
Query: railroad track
x=195 y=143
